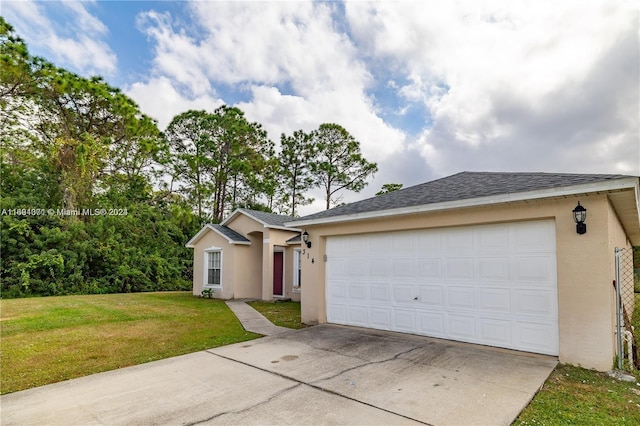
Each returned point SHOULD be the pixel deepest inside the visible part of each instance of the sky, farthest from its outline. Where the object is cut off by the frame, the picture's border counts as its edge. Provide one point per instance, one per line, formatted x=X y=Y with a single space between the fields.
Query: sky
x=428 y=88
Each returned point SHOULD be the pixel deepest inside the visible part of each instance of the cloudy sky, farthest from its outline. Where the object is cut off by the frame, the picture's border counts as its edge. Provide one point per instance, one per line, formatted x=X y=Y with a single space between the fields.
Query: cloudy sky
x=429 y=88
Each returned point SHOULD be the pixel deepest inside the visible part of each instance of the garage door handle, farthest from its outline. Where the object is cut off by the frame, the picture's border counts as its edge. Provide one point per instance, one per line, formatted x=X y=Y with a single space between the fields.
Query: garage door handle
x=415 y=298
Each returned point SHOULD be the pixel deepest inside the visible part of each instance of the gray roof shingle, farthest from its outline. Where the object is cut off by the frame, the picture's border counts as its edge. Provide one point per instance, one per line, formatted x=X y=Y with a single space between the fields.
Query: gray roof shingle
x=230 y=234
x=461 y=186
x=269 y=218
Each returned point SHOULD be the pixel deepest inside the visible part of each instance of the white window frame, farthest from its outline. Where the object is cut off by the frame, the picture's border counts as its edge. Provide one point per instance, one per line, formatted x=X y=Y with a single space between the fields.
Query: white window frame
x=297 y=269
x=205 y=283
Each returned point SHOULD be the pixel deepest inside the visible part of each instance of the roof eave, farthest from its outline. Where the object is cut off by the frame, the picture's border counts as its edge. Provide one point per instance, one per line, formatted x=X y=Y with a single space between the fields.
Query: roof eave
x=192 y=242
x=617 y=184
x=263 y=223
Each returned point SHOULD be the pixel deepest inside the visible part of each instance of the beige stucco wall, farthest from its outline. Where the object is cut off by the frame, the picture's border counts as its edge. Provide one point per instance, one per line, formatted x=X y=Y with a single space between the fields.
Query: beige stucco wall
x=247 y=270
x=212 y=239
x=584 y=268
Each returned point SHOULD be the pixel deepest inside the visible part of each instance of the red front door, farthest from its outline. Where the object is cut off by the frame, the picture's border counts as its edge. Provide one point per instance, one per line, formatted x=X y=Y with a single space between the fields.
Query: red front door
x=278 y=263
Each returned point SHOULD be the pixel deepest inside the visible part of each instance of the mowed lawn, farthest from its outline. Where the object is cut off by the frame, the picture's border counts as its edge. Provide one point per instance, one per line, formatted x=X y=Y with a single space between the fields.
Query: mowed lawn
x=50 y=339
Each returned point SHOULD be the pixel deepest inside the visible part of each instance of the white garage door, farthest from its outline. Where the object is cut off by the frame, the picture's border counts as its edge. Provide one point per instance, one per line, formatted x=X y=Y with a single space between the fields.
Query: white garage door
x=491 y=284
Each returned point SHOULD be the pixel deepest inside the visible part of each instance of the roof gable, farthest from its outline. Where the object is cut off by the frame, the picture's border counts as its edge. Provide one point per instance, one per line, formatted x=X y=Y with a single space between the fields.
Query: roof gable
x=466 y=189
x=268 y=220
x=227 y=233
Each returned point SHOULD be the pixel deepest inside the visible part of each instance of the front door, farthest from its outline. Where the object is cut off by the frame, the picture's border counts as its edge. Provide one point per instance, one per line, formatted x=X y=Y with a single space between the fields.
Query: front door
x=278 y=263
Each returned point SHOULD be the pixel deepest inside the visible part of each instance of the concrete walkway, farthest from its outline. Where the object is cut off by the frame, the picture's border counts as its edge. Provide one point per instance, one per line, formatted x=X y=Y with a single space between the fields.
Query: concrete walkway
x=253 y=320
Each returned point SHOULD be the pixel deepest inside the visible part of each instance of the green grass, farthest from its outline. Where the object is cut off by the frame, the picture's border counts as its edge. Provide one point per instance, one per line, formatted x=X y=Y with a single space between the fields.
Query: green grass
x=284 y=314
x=577 y=396
x=50 y=339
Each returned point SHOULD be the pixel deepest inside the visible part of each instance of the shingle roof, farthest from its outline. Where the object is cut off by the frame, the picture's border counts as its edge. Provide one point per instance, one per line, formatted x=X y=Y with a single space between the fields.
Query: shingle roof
x=271 y=219
x=461 y=186
x=230 y=234
x=294 y=240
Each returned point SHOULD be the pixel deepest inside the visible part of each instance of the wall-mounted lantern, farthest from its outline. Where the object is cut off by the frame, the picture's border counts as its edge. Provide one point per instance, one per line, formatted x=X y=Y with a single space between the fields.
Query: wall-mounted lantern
x=580 y=215
x=305 y=238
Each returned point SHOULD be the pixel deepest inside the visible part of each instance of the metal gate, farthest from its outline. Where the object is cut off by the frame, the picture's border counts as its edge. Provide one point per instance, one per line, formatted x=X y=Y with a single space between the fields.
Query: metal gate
x=625 y=300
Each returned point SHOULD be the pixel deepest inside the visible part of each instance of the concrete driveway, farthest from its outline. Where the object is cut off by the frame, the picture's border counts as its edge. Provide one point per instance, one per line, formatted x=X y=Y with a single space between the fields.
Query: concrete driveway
x=319 y=375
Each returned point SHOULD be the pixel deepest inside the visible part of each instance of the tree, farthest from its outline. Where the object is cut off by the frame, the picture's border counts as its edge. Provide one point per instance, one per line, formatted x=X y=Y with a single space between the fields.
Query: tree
x=338 y=163
x=192 y=162
x=220 y=159
x=389 y=187
x=294 y=173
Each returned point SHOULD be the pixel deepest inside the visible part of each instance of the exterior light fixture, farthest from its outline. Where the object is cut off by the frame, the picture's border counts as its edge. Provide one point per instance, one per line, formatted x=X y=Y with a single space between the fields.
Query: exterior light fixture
x=305 y=238
x=580 y=215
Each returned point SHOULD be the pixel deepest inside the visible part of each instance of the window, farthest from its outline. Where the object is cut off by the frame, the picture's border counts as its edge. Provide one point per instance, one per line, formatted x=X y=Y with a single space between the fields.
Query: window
x=214 y=268
x=297 y=269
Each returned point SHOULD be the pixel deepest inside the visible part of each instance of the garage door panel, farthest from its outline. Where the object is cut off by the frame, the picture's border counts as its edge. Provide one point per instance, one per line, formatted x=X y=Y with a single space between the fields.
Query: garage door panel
x=403 y=268
x=402 y=243
x=535 y=269
x=492 y=239
x=404 y=320
x=379 y=293
x=358 y=315
x=337 y=313
x=495 y=331
x=403 y=294
x=358 y=292
x=459 y=268
x=431 y=323
x=494 y=268
x=461 y=298
x=338 y=291
x=337 y=268
x=535 y=302
x=462 y=327
x=380 y=318
x=358 y=268
x=494 y=300
x=429 y=268
x=537 y=337
x=459 y=238
x=533 y=237
x=379 y=268
x=487 y=284
x=431 y=296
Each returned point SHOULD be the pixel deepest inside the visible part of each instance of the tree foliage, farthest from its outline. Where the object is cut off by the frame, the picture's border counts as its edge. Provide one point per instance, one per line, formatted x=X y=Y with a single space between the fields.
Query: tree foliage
x=95 y=199
x=338 y=162
x=389 y=187
x=294 y=173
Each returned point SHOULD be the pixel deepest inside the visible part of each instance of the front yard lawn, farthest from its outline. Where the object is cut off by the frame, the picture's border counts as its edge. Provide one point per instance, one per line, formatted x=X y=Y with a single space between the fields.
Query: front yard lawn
x=50 y=339
x=284 y=314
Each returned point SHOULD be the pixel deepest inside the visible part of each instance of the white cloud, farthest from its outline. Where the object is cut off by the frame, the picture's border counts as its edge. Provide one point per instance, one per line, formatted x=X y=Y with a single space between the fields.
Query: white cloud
x=159 y=99
x=299 y=70
x=75 y=43
x=526 y=83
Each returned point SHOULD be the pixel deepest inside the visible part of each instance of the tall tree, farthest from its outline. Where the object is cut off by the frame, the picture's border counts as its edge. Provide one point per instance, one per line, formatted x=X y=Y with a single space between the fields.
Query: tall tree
x=192 y=160
x=338 y=163
x=243 y=150
x=294 y=172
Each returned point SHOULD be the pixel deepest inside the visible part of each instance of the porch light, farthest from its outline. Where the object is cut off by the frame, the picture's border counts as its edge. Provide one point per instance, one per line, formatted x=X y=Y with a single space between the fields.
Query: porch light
x=580 y=215
x=305 y=238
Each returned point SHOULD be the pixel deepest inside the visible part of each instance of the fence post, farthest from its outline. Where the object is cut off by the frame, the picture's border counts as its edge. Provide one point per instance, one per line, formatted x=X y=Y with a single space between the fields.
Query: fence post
x=619 y=319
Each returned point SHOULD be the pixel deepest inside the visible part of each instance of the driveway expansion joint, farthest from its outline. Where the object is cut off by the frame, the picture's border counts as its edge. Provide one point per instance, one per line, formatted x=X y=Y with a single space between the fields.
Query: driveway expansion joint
x=277 y=395
x=320 y=388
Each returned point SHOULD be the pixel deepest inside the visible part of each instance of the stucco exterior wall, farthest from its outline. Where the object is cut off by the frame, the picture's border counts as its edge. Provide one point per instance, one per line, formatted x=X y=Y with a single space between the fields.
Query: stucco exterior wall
x=583 y=266
x=211 y=239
